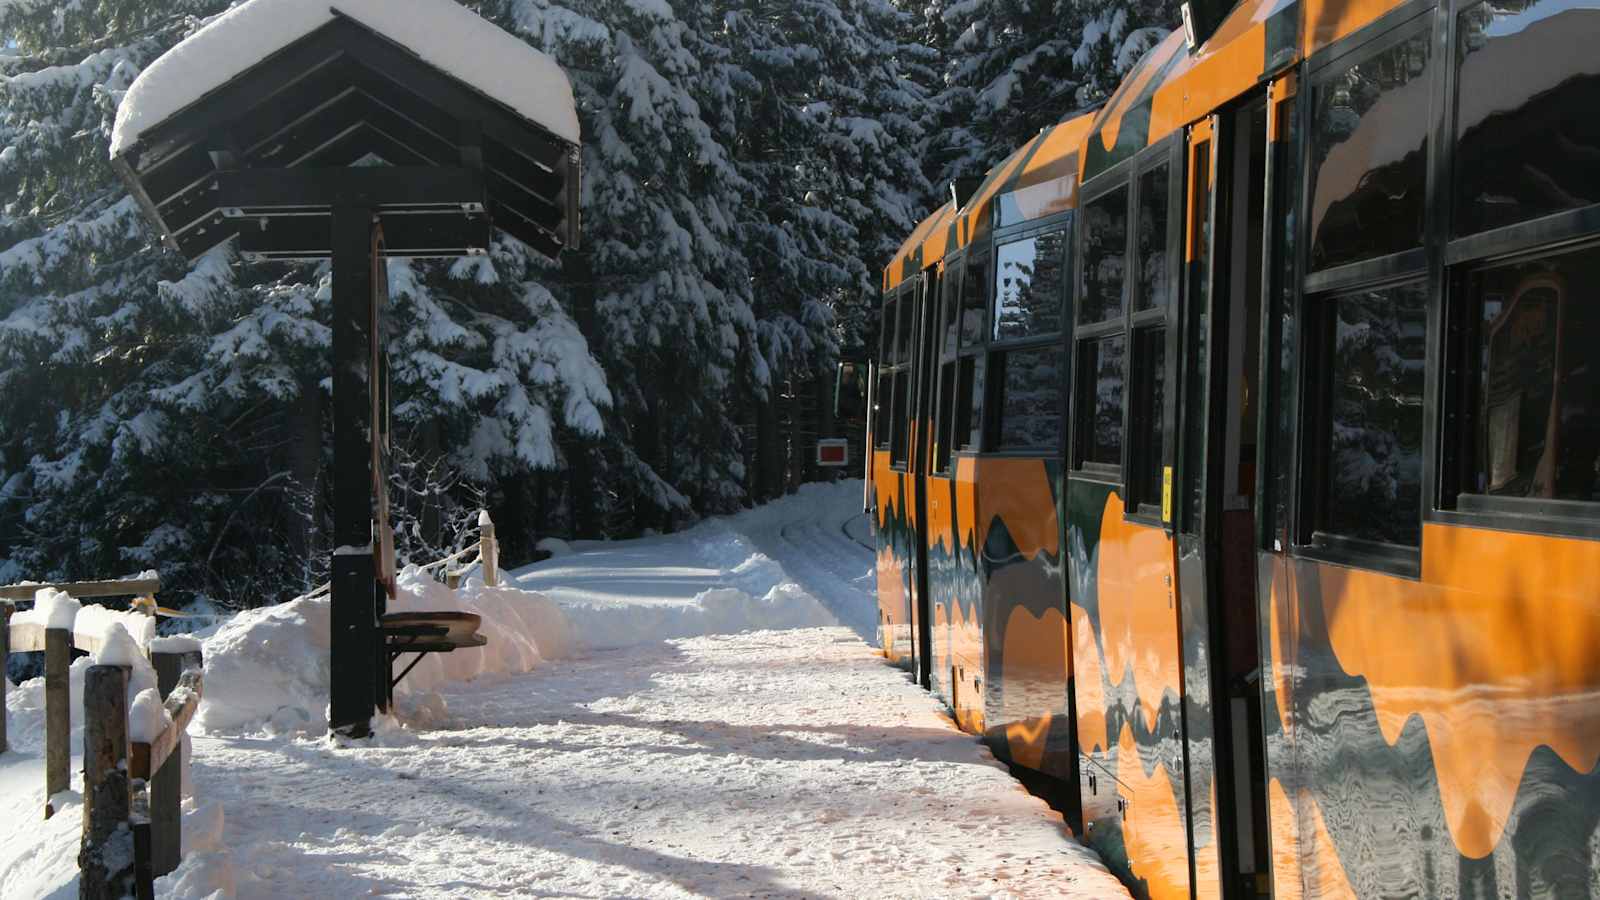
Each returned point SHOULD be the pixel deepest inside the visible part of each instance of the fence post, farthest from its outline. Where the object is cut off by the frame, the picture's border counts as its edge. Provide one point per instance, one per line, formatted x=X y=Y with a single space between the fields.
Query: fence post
x=488 y=550
x=57 y=714
x=105 y=858
x=166 y=783
x=6 y=608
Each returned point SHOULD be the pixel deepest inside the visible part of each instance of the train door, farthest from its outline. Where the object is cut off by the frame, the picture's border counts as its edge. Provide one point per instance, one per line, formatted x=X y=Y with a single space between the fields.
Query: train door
x=1221 y=328
x=923 y=368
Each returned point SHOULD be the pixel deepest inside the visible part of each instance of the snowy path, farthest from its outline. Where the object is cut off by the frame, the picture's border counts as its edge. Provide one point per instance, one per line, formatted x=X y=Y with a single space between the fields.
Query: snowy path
x=722 y=736
x=766 y=764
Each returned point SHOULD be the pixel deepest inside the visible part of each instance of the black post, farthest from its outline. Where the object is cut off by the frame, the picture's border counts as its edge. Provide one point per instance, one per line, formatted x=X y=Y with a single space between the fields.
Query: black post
x=353 y=662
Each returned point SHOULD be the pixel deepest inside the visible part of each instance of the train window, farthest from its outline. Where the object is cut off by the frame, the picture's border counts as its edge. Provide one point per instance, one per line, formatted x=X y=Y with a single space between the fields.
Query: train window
x=1104 y=257
x=1369 y=142
x=1154 y=279
x=968 y=425
x=1523 y=149
x=901 y=418
x=1536 y=421
x=884 y=399
x=1373 y=352
x=1099 y=387
x=902 y=340
x=974 y=299
x=941 y=418
x=950 y=293
x=1147 y=453
x=1030 y=286
x=1030 y=399
x=886 y=333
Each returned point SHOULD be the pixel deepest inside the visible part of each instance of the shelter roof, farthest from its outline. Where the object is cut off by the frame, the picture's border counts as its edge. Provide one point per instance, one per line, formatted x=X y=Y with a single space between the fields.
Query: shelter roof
x=442 y=33
x=262 y=112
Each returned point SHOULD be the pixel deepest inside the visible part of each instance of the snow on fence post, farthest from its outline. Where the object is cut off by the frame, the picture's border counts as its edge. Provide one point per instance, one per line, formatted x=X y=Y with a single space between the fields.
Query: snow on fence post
x=106 y=855
x=180 y=665
x=57 y=714
x=488 y=550
x=6 y=608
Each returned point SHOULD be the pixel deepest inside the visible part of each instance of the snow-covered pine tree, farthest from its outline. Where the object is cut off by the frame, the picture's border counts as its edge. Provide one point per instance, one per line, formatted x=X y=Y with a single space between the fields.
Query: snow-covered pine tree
x=1012 y=67
x=158 y=414
x=822 y=122
x=663 y=279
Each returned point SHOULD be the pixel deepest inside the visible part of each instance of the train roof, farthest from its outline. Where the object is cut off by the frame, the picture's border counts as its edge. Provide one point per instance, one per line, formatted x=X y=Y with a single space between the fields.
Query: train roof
x=1168 y=89
x=1039 y=179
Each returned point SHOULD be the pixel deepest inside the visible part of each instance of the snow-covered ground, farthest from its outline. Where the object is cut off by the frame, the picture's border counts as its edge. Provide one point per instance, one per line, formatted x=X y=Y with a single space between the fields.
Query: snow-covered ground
x=704 y=726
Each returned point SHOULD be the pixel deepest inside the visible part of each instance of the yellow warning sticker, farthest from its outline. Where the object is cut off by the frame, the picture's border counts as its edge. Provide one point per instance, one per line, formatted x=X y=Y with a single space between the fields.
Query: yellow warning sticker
x=1166 y=494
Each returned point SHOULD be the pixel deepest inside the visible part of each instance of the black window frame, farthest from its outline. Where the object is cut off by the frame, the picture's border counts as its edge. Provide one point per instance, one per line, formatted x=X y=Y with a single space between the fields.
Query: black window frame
x=951 y=284
x=1128 y=175
x=999 y=349
x=1548 y=235
x=900 y=449
x=1319 y=288
x=975 y=350
x=1389 y=31
x=883 y=424
x=1143 y=501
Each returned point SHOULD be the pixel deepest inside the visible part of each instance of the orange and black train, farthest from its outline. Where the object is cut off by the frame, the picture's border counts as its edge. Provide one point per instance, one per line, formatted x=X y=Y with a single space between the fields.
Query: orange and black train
x=1236 y=455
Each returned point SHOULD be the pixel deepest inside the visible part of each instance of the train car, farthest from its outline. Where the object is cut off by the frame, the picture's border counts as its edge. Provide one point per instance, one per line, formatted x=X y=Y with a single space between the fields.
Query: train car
x=1237 y=455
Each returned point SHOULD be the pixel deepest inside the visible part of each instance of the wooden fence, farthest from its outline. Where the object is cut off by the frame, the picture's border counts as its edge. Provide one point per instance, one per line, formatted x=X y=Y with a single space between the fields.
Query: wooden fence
x=132 y=789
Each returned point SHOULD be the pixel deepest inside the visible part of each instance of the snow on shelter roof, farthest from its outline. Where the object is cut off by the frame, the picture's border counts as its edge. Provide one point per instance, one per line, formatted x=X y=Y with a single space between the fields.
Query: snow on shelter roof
x=440 y=32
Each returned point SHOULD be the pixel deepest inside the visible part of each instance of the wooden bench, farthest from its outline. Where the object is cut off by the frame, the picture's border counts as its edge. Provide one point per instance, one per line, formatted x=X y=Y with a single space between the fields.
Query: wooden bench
x=426 y=632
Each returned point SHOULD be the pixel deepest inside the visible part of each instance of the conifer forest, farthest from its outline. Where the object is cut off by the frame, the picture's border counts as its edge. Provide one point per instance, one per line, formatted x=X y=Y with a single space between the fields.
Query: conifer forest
x=749 y=167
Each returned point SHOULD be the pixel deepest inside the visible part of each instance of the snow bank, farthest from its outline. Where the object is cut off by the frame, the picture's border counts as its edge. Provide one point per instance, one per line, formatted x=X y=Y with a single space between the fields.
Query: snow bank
x=176 y=643
x=147 y=717
x=51 y=608
x=554 y=546
x=441 y=32
x=268 y=668
x=55 y=609
x=98 y=621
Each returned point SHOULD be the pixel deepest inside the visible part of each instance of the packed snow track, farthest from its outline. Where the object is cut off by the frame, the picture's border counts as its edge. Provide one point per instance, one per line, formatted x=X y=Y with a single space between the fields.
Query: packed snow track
x=679 y=716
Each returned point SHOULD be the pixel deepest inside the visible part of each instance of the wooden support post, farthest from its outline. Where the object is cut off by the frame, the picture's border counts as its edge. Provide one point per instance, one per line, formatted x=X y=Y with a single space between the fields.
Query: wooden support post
x=488 y=550
x=5 y=660
x=57 y=714
x=166 y=783
x=353 y=663
x=105 y=858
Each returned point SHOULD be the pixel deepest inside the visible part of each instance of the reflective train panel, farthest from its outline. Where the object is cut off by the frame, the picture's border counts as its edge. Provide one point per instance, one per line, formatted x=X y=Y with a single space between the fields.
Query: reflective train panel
x=1237 y=455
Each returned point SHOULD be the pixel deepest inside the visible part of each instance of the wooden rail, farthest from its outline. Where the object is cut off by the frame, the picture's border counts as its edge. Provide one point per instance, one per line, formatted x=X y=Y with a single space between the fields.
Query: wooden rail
x=132 y=826
x=128 y=587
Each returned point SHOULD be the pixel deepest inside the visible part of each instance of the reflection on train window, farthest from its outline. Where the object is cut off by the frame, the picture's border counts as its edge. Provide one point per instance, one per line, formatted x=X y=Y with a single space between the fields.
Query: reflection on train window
x=1376 y=354
x=1369 y=156
x=902 y=339
x=1105 y=252
x=968 y=428
x=1523 y=150
x=1099 y=386
x=949 y=300
x=1148 y=450
x=1029 y=286
x=1153 y=276
x=887 y=352
x=941 y=418
x=1030 y=398
x=974 y=301
x=1538 y=416
x=885 y=403
x=902 y=419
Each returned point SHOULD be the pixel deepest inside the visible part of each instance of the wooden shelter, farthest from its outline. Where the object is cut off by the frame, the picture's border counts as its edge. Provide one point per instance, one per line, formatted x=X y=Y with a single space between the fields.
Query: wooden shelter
x=353 y=131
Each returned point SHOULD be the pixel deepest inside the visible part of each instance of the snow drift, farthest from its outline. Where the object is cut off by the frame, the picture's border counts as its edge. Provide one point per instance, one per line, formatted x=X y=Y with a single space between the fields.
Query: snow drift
x=268 y=668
